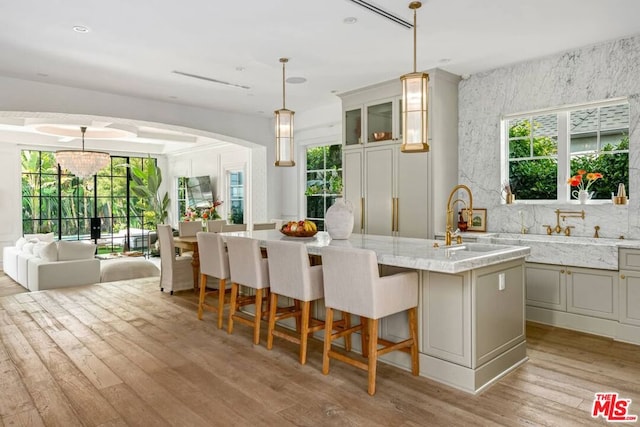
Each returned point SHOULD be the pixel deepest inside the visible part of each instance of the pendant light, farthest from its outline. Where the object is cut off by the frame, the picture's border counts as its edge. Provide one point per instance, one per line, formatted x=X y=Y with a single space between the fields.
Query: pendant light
x=81 y=163
x=415 y=102
x=284 y=129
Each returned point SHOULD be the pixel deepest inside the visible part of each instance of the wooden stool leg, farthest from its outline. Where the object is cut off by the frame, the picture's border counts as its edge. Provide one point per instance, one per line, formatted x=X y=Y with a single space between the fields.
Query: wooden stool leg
x=203 y=287
x=364 y=333
x=232 y=306
x=258 y=316
x=272 y=319
x=296 y=306
x=222 y=291
x=328 y=331
x=373 y=354
x=304 y=334
x=413 y=331
x=347 y=324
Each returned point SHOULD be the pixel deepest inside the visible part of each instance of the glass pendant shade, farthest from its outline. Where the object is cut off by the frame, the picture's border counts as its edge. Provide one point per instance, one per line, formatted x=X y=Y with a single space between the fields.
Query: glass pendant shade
x=81 y=163
x=284 y=137
x=415 y=110
x=284 y=129
x=415 y=101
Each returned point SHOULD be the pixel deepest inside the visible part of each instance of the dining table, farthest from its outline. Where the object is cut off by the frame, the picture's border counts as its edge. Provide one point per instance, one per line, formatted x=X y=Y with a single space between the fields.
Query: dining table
x=190 y=243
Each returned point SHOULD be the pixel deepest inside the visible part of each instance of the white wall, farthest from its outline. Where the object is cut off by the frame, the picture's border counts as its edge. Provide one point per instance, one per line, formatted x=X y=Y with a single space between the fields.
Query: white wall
x=22 y=98
x=592 y=73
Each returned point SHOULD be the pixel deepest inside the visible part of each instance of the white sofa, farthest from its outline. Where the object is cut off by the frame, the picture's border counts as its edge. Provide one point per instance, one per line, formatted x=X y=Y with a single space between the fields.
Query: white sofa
x=38 y=263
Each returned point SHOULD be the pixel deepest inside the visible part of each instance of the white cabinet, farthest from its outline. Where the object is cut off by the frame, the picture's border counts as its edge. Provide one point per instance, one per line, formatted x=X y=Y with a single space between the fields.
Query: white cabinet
x=395 y=193
x=585 y=291
x=592 y=292
x=630 y=286
x=387 y=190
x=546 y=286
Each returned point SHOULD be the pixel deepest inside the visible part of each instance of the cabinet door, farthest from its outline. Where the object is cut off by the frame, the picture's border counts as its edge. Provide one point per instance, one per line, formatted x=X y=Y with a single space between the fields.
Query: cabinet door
x=592 y=292
x=379 y=190
x=379 y=122
x=353 y=189
x=413 y=195
x=546 y=286
x=630 y=297
x=353 y=126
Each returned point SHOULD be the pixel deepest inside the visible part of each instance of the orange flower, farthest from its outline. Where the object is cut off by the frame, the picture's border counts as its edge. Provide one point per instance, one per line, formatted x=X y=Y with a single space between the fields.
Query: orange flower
x=579 y=179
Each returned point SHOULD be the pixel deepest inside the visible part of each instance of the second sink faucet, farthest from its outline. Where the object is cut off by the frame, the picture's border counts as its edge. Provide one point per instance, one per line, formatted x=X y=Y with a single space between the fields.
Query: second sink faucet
x=564 y=215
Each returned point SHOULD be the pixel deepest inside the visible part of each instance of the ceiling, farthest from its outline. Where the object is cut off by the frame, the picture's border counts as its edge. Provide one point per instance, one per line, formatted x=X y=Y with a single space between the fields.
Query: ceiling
x=133 y=48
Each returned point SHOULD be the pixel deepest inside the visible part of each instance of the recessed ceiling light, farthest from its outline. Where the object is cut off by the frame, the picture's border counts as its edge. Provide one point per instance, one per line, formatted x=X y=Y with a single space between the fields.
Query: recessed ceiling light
x=42 y=75
x=173 y=97
x=80 y=29
x=296 y=80
x=334 y=91
x=350 y=20
x=239 y=68
x=444 y=61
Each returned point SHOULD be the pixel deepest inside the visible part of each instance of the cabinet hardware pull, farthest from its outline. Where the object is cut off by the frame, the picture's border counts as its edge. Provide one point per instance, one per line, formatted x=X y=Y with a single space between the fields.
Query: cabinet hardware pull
x=362 y=214
x=393 y=215
x=568 y=272
x=622 y=276
x=397 y=214
x=562 y=271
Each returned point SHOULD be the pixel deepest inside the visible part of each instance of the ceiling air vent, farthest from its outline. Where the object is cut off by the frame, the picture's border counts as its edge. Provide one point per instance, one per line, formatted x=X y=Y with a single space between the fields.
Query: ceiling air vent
x=209 y=79
x=379 y=11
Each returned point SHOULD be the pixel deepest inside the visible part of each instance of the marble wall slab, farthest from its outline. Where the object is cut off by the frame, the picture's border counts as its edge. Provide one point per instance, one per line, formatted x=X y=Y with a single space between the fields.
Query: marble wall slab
x=593 y=73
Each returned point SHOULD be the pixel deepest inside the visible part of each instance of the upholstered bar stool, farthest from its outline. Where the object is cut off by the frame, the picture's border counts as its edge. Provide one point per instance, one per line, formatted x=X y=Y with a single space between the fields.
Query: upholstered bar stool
x=291 y=275
x=176 y=272
x=248 y=269
x=352 y=284
x=214 y=262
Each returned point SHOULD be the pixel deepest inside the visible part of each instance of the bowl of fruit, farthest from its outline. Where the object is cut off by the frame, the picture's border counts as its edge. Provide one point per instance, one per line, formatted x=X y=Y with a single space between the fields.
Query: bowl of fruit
x=302 y=228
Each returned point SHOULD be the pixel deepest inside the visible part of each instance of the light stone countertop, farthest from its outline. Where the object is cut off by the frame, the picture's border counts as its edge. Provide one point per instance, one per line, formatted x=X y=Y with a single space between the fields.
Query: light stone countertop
x=407 y=252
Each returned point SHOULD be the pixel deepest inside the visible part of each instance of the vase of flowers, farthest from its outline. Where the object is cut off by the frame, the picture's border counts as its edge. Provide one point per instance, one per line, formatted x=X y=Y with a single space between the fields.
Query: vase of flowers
x=583 y=181
x=194 y=214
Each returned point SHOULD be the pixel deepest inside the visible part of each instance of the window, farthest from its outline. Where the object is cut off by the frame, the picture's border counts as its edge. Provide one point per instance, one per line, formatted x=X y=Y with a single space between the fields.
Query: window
x=236 y=197
x=324 y=180
x=55 y=201
x=543 y=150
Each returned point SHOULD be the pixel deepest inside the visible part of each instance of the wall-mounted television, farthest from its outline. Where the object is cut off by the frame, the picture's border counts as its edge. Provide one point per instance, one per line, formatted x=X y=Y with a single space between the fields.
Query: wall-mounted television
x=199 y=193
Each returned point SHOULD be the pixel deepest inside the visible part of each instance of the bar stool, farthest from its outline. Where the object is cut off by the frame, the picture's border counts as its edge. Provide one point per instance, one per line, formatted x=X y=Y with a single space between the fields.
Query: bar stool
x=353 y=284
x=214 y=262
x=291 y=275
x=249 y=269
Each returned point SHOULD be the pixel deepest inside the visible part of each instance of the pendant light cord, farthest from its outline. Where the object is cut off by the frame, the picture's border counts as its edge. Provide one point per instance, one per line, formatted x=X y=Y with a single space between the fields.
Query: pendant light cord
x=83 y=129
x=284 y=61
x=415 y=12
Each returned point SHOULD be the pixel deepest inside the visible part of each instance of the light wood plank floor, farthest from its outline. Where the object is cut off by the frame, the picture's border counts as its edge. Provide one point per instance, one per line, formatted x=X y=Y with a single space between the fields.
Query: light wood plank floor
x=124 y=353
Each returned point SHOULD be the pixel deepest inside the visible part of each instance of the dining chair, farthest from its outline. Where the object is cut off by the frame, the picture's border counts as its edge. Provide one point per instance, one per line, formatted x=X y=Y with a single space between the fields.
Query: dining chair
x=278 y=222
x=176 y=272
x=189 y=228
x=234 y=227
x=291 y=275
x=215 y=225
x=264 y=226
x=353 y=284
x=249 y=269
x=214 y=262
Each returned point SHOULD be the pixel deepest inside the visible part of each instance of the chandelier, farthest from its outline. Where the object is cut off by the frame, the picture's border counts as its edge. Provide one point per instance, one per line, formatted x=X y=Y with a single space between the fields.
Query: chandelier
x=284 y=130
x=81 y=163
x=415 y=102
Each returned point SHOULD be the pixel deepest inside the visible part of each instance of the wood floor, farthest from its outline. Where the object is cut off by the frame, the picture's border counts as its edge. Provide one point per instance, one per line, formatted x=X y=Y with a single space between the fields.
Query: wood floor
x=124 y=353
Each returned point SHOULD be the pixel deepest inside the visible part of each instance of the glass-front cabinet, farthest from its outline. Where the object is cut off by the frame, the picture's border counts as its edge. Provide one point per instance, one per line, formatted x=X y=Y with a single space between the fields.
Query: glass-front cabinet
x=380 y=121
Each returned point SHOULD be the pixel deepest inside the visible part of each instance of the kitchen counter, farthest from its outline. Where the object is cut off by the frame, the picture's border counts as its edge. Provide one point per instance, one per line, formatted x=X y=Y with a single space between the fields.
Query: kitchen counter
x=419 y=254
x=471 y=304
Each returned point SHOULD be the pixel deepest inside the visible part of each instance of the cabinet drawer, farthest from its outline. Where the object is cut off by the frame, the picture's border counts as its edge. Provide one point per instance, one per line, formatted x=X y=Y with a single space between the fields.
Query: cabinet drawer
x=629 y=259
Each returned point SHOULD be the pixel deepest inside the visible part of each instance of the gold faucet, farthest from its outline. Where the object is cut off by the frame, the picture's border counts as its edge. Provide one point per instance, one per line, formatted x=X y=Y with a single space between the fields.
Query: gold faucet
x=564 y=215
x=469 y=208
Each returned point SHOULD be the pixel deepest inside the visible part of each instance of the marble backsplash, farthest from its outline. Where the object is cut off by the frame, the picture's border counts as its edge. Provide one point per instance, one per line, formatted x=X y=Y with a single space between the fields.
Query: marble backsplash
x=589 y=74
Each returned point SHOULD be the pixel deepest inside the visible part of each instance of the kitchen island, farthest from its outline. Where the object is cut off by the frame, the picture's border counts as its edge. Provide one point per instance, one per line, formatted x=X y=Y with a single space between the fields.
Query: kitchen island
x=471 y=310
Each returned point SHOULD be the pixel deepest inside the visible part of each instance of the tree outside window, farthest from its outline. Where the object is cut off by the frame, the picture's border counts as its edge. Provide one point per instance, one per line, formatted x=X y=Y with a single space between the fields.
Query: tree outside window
x=324 y=180
x=594 y=139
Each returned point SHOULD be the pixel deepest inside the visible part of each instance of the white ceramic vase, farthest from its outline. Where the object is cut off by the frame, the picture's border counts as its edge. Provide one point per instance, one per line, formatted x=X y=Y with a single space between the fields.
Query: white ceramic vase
x=339 y=219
